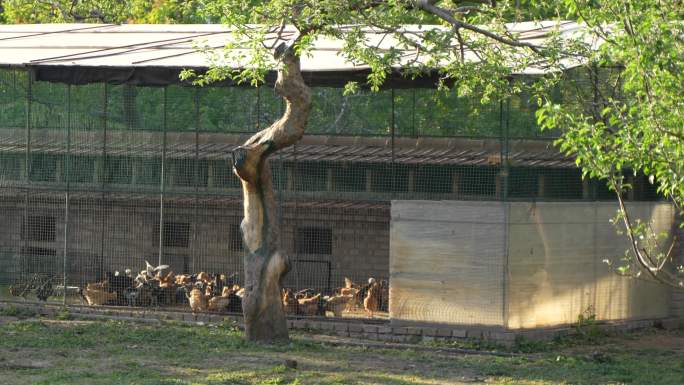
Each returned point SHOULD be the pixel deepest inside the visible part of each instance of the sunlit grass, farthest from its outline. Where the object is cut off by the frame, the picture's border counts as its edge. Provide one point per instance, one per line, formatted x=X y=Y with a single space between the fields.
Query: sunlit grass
x=114 y=352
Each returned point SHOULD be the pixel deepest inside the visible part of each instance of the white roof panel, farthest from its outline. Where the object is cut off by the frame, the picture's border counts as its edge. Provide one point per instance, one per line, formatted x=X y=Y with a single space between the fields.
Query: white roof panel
x=174 y=45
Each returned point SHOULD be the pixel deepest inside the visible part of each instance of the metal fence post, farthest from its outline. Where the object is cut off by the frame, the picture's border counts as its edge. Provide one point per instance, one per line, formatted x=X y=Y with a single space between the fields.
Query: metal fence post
x=392 y=134
x=193 y=251
x=67 y=159
x=163 y=177
x=103 y=175
x=28 y=160
x=504 y=121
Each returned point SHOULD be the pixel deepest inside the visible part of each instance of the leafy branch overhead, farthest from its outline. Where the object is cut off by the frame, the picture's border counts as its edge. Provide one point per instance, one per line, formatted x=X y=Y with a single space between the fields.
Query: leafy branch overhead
x=472 y=47
x=631 y=125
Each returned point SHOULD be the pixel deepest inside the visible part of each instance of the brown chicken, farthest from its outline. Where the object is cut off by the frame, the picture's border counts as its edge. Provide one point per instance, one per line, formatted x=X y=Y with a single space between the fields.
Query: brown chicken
x=239 y=291
x=14 y=291
x=337 y=304
x=96 y=297
x=183 y=279
x=384 y=295
x=372 y=300
x=166 y=281
x=204 y=277
x=349 y=287
x=198 y=301
x=289 y=302
x=220 y=303
x=104 y=285
x=309 y=306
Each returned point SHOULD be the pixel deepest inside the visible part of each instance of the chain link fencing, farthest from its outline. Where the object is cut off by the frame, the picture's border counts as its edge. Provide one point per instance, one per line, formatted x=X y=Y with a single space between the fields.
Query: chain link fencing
x=100 y=181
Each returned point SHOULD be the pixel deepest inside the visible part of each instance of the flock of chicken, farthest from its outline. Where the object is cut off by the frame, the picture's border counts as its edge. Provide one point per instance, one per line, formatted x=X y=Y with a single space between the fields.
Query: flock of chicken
x=210 y=292
x=152 y=287
x=373 y=296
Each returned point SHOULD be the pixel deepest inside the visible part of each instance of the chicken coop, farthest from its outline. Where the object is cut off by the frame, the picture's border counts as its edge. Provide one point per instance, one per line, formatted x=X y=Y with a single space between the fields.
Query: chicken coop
x=109 y=163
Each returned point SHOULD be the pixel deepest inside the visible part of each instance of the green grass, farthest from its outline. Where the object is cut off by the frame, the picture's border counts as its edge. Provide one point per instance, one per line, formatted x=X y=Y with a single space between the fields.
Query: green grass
x=113 y=352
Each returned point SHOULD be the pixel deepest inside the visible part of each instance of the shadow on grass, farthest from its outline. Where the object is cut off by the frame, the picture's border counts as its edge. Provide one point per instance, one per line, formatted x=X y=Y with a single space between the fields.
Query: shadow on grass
x=115 y=352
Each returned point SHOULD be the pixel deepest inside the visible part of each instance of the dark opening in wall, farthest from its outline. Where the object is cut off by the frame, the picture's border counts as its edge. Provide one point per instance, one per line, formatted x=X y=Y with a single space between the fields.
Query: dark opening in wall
x=434 y=179
x=176 y=234
x=310 y=176
x=477 y=181
x=39 y=228
x=235 y=242
x=313 y=240
x=43 y=168
x=10 y=167
x=348 y=177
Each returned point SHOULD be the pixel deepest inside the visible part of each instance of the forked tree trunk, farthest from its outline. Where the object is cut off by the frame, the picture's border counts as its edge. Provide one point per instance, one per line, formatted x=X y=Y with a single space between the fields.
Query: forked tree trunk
x=265 y=265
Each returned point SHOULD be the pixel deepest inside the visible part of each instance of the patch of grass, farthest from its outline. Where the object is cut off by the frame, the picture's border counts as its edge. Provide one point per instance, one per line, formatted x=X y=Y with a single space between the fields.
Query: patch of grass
x=63 y=314
x=115 y=352
x=14 y=311
x=470 y=344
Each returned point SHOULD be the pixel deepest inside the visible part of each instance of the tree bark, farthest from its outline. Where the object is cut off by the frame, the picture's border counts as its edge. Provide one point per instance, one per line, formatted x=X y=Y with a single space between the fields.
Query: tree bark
x=265 y=265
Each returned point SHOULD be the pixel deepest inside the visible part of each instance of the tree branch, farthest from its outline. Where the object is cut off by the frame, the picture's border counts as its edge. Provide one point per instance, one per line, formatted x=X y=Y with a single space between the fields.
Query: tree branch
x=428 y=6
x=642 y=256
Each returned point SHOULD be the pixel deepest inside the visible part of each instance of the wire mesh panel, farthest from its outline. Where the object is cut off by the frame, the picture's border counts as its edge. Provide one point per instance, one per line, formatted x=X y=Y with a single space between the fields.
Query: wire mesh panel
x=124 y=195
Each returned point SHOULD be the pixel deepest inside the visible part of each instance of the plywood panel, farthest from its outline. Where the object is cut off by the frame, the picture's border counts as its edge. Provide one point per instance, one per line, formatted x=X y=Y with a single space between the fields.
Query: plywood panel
x=446 y=262
x=556 y=269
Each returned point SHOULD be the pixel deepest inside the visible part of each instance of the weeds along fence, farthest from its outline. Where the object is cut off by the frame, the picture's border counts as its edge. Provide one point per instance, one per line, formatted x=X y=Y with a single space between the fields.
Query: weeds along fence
x=99 y=178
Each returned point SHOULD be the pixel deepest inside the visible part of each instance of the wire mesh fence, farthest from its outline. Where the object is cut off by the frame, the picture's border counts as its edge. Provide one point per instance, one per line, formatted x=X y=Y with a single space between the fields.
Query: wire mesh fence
x=100 y=184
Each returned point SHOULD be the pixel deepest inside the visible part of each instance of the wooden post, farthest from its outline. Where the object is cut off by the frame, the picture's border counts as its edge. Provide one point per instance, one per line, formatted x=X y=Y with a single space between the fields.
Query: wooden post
x=329 y=182
x=456 y=183
x=369 y=180
x=98 y=170
x=411 y=180
x=210 y=174
x=290 y=172
x=586 y=189
x=135 y=170
x=498 y=182
x=58 y=169
x=541 y=186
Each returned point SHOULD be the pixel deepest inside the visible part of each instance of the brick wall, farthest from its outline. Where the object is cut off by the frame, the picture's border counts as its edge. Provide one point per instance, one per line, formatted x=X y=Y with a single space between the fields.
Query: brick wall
x=356 y=329
x=123 y=233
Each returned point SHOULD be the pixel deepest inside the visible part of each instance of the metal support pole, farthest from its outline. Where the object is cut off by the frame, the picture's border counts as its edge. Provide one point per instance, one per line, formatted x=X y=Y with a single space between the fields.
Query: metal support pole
x=413 y=111
x=258 y=109
x=163 y=173
x=198 y=120
x=392 y=133
x=504 y=122
x=29 y=101
x=67 y=159
x=103 y=176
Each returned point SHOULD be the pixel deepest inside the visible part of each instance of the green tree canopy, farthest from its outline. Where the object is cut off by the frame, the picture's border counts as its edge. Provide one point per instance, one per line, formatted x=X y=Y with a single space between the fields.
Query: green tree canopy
x=635 y=125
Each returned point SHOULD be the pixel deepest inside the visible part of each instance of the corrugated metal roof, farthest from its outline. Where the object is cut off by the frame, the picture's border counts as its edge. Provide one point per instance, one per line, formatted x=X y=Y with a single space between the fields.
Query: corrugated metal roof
x=152 y=200
x=175 y=45
x=446 y=151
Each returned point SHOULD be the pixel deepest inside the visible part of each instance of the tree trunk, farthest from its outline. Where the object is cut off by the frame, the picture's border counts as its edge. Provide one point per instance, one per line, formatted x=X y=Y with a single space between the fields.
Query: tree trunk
x=265 y=265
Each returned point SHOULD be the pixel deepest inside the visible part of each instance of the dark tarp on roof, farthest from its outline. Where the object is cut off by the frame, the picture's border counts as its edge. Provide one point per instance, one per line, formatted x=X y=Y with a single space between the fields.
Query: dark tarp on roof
x=163 y=76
